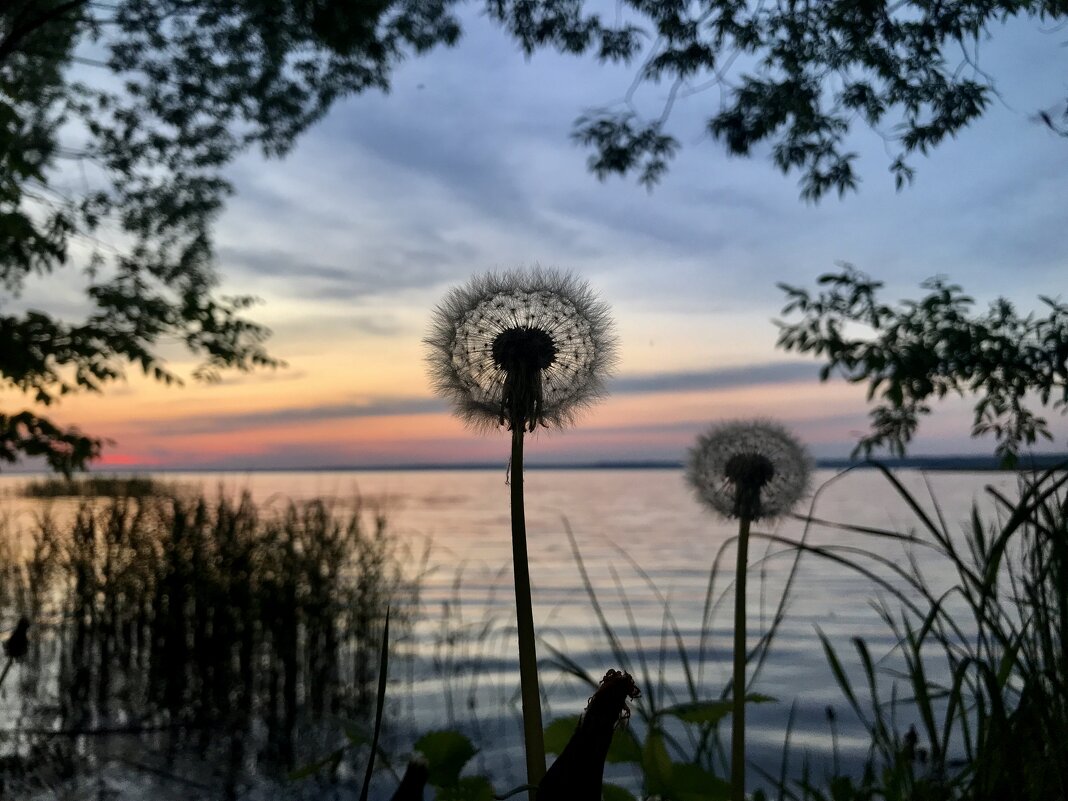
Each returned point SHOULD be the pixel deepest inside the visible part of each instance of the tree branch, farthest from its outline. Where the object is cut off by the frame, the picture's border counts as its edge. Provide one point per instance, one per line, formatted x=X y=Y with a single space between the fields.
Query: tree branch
x=20 y=32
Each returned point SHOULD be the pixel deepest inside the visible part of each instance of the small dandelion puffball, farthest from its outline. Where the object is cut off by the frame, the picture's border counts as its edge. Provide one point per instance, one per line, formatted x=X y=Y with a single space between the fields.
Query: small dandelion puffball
x=754 y=469
x=521 y=348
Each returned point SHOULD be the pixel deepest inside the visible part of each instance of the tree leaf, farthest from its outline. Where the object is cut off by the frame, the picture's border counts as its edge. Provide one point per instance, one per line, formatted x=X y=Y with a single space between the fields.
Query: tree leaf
x=691 y=782
x=446 y=754
x=711 y=712
x=469 y=788
x=657 y=765
x=624 y=748
x=613 y=792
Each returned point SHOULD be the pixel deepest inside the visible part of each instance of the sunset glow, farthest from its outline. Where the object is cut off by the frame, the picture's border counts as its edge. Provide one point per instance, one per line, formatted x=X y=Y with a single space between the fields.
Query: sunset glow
x=390 y=200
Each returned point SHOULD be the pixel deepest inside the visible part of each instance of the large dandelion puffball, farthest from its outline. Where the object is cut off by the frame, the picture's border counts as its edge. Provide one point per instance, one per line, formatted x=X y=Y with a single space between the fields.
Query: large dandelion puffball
x=521 y=348
x=748 y=468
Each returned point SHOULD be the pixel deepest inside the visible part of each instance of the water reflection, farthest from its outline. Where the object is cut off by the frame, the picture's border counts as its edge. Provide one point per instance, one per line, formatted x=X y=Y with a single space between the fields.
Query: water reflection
x=194 y=620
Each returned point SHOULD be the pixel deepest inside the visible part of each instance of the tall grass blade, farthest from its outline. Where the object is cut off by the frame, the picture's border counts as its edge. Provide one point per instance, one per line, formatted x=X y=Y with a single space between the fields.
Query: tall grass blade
x=680 y=647
x=643 y=663
x=840 y=675
x=383 y=672
x=606 y=628
x=917 y=675
x=913 y=504
x=566 y=664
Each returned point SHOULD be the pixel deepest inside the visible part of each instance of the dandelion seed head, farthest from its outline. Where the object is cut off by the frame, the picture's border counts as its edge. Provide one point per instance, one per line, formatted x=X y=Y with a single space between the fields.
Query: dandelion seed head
x=521 y=348
x=753 y=469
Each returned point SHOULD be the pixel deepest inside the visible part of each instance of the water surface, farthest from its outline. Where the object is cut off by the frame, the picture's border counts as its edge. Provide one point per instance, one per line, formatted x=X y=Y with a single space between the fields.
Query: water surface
x=648 y=548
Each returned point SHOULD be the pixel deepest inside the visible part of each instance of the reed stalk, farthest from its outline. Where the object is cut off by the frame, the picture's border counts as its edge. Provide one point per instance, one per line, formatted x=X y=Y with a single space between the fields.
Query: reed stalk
x=216 y=629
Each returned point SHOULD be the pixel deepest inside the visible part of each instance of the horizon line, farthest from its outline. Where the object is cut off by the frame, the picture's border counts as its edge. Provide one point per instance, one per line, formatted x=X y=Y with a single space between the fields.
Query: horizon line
x=979 y=461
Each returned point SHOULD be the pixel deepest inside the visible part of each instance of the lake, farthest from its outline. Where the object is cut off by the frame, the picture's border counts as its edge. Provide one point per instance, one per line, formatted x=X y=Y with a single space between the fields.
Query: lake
x=648 y=548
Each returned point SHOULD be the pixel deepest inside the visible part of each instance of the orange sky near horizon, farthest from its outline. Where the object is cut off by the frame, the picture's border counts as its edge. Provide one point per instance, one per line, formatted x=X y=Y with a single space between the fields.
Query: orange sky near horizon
x=364 y=399
x=267 y=421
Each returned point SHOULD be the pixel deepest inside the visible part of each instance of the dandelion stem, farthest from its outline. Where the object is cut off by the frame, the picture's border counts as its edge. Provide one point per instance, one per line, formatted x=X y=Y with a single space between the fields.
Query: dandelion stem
x=738 y=711
x=528 y=657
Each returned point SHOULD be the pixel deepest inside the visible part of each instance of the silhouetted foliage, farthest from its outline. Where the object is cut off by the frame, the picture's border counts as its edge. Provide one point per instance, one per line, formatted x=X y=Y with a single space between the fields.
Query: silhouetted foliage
x=975 y=659
x=795 y=77
x=135 y=107
x=919 y=350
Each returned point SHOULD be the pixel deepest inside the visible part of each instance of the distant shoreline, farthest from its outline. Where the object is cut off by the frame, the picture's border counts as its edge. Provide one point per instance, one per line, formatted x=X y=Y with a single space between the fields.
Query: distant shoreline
x=964 y=463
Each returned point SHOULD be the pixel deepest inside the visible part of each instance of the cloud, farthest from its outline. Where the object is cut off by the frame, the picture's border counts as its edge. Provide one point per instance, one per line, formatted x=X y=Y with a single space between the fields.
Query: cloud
x=383 y=325
x=288 y=416
x=273 y=377
x=719 y=378
x=466 y=165
x=374 y=270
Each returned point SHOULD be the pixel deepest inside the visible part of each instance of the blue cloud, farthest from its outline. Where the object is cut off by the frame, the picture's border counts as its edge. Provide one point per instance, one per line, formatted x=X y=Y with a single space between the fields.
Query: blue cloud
x=719 y=378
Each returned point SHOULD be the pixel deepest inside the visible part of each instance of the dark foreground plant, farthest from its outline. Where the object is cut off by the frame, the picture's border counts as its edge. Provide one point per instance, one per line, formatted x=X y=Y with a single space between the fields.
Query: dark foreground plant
x=578 y=772
x=984 y=661
x=441 y=756
x=522 y=349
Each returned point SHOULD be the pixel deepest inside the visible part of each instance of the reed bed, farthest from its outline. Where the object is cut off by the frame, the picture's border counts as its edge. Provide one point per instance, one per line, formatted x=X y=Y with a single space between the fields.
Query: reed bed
x=972 y=700
x=171 y=631
x=95 y=486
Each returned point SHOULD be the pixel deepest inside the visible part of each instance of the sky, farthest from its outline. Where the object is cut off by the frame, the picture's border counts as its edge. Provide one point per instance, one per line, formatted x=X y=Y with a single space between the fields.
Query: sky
x=467 y=166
